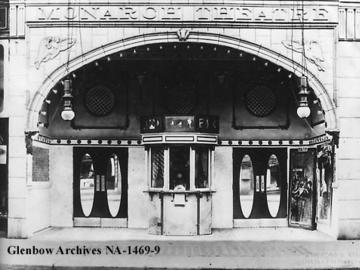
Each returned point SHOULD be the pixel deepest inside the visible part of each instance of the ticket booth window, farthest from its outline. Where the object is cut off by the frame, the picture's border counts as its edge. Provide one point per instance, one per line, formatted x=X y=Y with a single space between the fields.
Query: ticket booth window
x=202 y=167
x=179 y=167
x=157 y=167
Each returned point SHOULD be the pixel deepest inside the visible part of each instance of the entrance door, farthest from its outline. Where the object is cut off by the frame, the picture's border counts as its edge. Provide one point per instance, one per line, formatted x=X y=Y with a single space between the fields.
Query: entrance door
x=4 y=124
x=302 y=188
x=259 y=184
x=100 y=187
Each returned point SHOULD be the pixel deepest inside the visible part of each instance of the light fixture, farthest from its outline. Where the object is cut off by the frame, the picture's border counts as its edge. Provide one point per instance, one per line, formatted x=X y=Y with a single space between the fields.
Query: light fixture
x=67 y=113
x=303 y=111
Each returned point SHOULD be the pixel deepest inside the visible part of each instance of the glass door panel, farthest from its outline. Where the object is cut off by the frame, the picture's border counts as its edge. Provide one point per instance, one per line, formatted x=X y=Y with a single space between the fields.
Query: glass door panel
x=113 y=185
x=100 y=182
x=246 y=186
x=87 y=187
x=260 y=184
x=302 y=183
x=273 y=185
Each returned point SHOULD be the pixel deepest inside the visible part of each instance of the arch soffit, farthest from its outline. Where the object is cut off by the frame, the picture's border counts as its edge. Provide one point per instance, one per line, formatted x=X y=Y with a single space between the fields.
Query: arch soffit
x=167 y=37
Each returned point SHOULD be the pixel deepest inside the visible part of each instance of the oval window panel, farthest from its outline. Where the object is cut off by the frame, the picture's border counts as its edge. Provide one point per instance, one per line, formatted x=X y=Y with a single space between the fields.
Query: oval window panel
x=273 y=191
x=87 y=191
x=113 y=185
x=246 y=186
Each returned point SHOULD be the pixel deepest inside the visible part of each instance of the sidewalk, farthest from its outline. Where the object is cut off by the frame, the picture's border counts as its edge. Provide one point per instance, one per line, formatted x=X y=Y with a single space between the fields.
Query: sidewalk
x=109 y=249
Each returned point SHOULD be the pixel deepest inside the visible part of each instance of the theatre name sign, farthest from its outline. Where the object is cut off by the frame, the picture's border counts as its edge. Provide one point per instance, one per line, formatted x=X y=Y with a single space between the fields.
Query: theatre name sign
x=173 y=13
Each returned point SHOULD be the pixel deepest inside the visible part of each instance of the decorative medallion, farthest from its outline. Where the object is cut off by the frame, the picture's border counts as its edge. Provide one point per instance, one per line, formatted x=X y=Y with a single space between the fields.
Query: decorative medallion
x=99 y=100
x=50 y=47
x=260 y=100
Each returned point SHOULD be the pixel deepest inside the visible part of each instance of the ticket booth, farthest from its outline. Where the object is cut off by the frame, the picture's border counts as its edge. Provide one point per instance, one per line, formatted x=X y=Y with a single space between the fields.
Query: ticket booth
x=179 y=151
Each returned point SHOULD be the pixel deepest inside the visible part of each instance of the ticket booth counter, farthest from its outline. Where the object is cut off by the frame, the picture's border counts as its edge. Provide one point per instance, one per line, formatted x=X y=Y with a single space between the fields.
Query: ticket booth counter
x=179 y=172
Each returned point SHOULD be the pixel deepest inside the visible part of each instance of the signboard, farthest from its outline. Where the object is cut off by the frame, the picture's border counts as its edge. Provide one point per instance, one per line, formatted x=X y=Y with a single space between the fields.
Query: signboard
x=198 y=123
x=172 y=13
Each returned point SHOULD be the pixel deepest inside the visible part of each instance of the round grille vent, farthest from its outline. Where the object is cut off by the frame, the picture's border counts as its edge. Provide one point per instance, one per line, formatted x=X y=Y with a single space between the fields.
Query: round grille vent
x=99 y=100
x=260 y=100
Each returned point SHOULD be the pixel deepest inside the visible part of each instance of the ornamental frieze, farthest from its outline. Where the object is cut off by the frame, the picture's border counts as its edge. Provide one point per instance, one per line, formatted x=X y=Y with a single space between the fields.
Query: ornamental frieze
x=173 y=13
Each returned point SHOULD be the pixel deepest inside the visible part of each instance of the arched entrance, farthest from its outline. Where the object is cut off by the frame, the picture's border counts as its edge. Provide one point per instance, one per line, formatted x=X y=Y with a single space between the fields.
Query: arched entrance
x=180 y=102
x=167 y=37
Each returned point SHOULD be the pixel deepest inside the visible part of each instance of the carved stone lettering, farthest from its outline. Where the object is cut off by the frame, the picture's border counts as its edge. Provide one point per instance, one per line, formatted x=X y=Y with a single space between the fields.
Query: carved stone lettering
x=243 y=14
x=171 y=13
x=279 y=15
x=89 y=13
x=150 y=13
x=70 y=13
x=320 y=14
x=128 y=13
x=223 y=13
x=49 y=14
x=263 y=15
x=204 y=13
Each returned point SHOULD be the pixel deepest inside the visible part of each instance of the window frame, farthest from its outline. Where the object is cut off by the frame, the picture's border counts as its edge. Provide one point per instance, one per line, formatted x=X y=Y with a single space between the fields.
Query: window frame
x=192 y=151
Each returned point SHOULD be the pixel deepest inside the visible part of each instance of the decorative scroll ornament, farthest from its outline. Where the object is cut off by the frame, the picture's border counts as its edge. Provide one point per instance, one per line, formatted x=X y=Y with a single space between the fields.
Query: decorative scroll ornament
x=313 y=51
x=183 y=34
x=50 y=47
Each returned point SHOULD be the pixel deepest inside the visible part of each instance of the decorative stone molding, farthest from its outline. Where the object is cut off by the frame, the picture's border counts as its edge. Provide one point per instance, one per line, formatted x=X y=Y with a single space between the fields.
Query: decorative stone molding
x=183 y=34
x=313 y=51
x=349 y=24
x=50 y=47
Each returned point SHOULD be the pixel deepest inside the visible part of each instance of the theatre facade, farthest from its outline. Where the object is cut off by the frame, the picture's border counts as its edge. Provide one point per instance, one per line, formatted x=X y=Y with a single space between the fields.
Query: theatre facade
x=180 y=118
